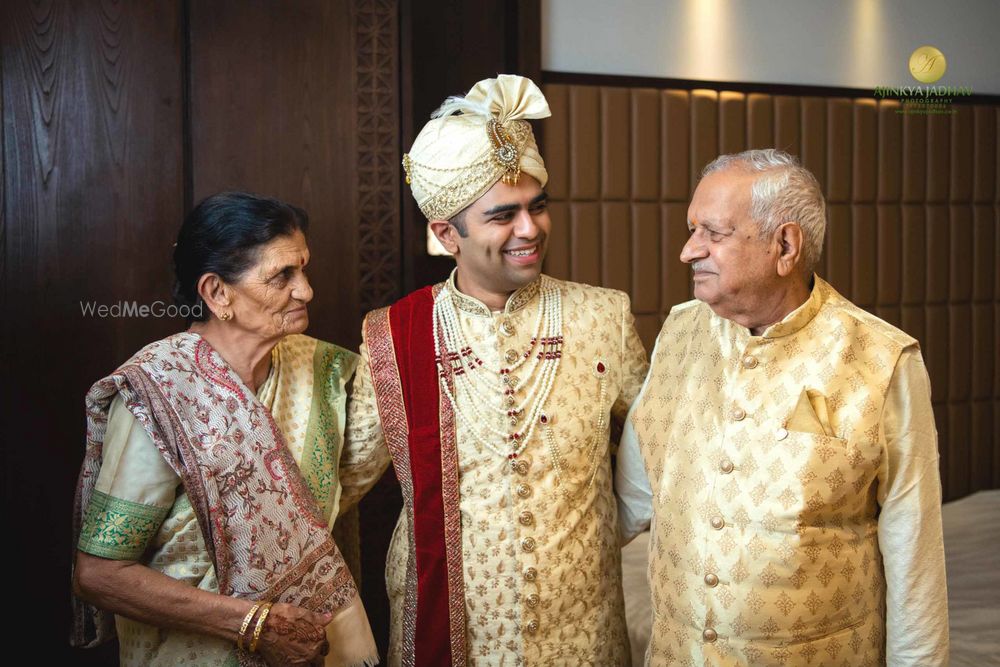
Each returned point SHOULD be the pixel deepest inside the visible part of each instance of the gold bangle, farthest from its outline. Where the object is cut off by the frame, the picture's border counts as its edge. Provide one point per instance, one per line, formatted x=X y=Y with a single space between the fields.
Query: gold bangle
x=246 y=624
x=260 y=626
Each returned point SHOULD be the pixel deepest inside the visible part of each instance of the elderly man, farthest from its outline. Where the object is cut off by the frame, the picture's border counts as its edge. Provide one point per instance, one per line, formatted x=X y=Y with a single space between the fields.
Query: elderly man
x=784 y=449
x=493 y=393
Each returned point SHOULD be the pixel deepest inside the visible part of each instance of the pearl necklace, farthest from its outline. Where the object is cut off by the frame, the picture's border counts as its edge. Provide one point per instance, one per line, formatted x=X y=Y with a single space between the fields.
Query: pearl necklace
x=462 y=372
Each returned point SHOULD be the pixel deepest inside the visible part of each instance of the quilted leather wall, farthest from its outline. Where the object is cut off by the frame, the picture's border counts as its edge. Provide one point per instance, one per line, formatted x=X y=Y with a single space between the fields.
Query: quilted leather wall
x=914 y=207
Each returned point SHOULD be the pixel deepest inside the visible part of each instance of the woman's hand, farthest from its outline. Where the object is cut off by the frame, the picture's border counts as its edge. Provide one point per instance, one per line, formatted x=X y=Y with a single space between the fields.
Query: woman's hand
x=293 y=636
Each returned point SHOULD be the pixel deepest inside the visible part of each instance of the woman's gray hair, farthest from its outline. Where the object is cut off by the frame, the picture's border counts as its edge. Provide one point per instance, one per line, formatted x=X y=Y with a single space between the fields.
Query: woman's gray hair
x=784 y=192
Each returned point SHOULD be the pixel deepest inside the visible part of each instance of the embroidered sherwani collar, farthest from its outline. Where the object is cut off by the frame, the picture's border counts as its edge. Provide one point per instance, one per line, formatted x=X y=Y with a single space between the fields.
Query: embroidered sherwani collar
x=515 y=302
x=794 y=321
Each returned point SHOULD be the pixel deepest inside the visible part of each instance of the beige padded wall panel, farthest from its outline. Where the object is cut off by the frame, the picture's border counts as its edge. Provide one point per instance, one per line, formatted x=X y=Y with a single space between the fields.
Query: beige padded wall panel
x=839 y=135
x=585 y=142
x=787 y=124
x=616 y=245
x=704 y=131
x=959 y=449
x=890 y=151
x=585 y=242
x=838 y=248
x=557 y=257
x=814 y=136
x=914 y=221
x=914 y=254
x=865 y=151
x=615 y=143
x=984 y=170
x=914 y=158
x=675 y=133
x=889 y=262
x=962 y=127
x=732 y=122
x=981 y=438
x=646 y=257
x=938 y=159
x=676 y=279
x=938 y=249
x=983 y=336
x=863 y=256
x=645 y=142
x=985 y=254
x=760 y=121
x=960 y=256
x=555 y=136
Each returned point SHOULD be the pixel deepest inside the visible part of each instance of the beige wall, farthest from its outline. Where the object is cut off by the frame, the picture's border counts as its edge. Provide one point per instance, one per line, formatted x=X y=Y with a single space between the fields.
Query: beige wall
x=845 y=43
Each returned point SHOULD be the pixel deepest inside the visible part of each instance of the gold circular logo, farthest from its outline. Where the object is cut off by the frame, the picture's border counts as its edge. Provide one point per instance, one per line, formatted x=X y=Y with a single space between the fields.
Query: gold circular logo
x=927 y=64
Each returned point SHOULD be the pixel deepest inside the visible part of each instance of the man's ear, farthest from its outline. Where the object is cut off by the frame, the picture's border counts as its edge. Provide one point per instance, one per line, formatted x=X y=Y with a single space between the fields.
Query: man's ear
x=789 y=238
x=445 y=233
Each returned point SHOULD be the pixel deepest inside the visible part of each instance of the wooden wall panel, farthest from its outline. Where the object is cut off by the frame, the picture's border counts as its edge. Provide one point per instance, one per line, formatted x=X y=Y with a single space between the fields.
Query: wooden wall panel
x=645 y=142
x=732 y=122
x=289 y=131
x=93 y=195
x=787 y=124
x=676 y=141
x=913 y=232
x=585 y=143
x=615 y=143
x=557 y=142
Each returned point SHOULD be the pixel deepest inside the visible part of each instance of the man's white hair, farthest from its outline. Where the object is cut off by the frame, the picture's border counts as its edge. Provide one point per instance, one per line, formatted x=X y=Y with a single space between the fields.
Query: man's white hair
x=784 y=192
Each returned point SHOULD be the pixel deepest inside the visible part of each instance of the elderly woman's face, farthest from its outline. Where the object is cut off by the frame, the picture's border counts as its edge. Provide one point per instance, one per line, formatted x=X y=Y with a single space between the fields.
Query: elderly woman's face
x=270 y=299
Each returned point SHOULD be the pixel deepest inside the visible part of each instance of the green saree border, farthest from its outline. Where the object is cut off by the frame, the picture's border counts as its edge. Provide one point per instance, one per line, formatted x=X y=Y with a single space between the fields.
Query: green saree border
x=119 y=529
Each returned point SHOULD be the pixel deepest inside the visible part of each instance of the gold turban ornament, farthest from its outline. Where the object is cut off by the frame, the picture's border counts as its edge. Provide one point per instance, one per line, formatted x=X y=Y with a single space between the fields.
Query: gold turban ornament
x=472 y=142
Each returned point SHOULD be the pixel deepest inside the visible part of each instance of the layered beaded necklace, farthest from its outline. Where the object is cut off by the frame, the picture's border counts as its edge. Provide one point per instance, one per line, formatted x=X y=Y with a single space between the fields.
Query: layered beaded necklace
x=484 y=392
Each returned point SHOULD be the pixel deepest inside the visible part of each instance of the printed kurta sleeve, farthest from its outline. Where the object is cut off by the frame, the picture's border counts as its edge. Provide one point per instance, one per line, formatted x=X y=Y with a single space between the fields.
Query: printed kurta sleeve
x=632 y=488
x=634 y=363
x=135 y=490
x=909 y=525
x=365 y=456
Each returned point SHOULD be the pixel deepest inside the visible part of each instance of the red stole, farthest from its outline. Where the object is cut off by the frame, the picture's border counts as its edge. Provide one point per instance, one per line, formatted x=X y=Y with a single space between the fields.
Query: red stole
x=420 y=432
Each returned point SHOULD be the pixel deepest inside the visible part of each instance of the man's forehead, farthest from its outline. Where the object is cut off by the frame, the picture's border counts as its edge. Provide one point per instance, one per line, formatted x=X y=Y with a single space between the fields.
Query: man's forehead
x=501 y=194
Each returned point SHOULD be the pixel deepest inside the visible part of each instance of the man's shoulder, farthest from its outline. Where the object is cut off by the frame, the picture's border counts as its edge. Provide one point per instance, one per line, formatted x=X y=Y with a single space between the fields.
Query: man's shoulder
x=570 y=288
x=864 y=322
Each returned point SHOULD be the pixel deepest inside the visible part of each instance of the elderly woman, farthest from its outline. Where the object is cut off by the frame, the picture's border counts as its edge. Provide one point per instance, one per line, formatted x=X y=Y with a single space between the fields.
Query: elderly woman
x=210 y=482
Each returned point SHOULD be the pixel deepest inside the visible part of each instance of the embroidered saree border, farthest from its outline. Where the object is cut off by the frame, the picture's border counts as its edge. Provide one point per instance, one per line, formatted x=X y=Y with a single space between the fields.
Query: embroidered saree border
x=118 y=529
x=392 y=414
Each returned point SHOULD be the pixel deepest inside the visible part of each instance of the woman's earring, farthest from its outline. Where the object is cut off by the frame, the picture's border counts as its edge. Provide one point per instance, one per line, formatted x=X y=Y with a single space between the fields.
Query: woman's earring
x=226 y=316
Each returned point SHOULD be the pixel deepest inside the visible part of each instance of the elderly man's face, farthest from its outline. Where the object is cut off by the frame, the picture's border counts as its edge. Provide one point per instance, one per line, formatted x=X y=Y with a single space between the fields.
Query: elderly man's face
x=505 y=237
x=733 y=268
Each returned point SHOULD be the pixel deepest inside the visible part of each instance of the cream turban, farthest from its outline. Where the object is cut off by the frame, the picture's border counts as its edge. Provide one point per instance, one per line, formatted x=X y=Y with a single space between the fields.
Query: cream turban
x=457 y=158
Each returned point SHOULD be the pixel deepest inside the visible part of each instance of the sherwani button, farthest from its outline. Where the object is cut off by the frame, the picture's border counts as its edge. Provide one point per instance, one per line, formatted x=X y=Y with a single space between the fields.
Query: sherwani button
x=523 y=490
x=749 y=361
x=532 y=600
x=531 y=627
x=530 y=574
x=507 y=329
x=717 y=522
x=738 y=414
x=526 y=518
x=710 y=635
x=726 y=466
x=711 y=580
x=511 y=356
x=520 y=466
x=528 y=544
x=781 y=433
